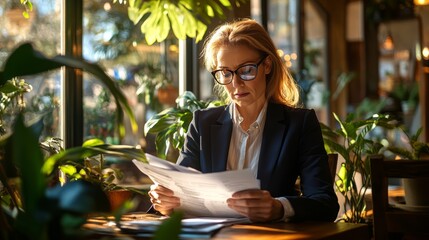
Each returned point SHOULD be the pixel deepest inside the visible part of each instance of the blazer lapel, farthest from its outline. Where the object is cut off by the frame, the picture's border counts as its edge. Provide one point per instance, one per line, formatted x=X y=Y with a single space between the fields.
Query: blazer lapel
x=272 y=141
x=220 y=138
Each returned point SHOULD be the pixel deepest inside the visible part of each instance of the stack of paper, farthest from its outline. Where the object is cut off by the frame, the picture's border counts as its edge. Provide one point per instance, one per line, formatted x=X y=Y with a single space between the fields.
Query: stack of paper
x=145 y=225
x=191 y=227
x=201 y=195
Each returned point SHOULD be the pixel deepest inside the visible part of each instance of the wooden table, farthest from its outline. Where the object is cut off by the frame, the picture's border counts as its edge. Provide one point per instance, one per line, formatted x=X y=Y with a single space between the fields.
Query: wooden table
x=303 y=230
x=273 y=231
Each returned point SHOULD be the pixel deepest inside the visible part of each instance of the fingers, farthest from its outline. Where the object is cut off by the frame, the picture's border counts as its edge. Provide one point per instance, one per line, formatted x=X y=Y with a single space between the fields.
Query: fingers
x=255 y=214
x=163 y=199
x=257 y=205
x=251 y=193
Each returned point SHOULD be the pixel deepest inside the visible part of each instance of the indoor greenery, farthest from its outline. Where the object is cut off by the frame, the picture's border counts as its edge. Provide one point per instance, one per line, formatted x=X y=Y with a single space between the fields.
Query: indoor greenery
x=171 y=124
x=21 y=63
x=408 y=94
x=354 y=140
x=158 y=18
x=33 y=205
x=30 y=207
x=413 y=148
x=185 y=18
x=89 y=162
x=150 y=80
x=11 y=101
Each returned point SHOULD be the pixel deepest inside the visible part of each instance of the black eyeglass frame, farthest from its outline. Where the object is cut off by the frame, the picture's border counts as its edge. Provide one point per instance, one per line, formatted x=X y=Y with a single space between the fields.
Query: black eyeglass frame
x=255 y=65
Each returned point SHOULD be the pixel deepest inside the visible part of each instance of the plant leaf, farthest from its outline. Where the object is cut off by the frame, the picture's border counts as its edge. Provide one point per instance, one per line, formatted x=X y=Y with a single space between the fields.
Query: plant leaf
x=33 y=185
x=170 y=228
x=35 y=62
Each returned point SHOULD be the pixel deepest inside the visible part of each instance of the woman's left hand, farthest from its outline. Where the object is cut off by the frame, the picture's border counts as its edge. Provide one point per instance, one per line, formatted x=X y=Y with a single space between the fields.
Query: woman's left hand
x=257 y=205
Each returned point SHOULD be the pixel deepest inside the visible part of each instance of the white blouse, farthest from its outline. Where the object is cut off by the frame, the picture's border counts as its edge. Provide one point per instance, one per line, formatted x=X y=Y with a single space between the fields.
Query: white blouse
x=245 y=148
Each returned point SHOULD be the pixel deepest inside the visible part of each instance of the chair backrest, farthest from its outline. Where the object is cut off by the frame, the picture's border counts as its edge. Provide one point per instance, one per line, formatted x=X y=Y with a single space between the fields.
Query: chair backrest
x=391 y=220
x=332 y=160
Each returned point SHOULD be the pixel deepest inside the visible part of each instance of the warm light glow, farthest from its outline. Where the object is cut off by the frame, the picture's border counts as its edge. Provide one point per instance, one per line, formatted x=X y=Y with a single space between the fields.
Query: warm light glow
x=286 y=57
x=294 y=56
x=107 y=6
x=388 y=42
x=280 y=52
x=425 y=53
x=421 y=2
x=173 y=48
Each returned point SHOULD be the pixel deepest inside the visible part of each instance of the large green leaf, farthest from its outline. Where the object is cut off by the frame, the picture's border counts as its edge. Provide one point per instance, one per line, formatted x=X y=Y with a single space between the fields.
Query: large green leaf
x=177 y=26
x=28 y=158
x=164 y=29
x=77 y=154
x=186 y=18
x=170 y=228
x=25 y=60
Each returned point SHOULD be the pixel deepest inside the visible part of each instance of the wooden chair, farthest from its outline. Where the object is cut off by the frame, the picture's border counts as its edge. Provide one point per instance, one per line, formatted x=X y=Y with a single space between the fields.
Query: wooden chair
x=392 y=222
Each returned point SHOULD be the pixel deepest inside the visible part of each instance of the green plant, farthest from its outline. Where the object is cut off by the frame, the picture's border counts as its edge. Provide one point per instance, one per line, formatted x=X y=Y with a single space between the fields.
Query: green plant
x=342 y=80
x=89 y=162
x=367 y=107
x=150 y=80
x=412 y=149
x=11 y=101
x=30 y=207
x=185 y=18
x=171 y=125
x=21 y=62
x=354 y=141
x=407 y=94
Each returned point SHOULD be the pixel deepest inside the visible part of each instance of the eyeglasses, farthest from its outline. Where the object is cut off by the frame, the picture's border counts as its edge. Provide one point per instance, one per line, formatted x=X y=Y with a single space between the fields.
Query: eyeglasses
x=246 y=72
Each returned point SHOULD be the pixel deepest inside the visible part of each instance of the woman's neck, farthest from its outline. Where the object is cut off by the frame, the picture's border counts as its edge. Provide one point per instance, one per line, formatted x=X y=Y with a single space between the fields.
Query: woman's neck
x=250 y=113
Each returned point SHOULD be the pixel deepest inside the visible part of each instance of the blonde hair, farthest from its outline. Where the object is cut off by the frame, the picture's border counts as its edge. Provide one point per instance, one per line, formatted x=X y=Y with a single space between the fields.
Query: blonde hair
x=281 y=87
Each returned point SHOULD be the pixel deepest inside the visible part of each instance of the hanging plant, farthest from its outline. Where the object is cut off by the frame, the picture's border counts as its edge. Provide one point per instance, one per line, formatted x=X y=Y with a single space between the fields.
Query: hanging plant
x=185 y=18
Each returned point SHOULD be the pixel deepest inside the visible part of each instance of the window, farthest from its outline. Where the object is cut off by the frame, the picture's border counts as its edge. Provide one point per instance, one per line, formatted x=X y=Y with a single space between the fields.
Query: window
x=145 y=73
x=41 y=28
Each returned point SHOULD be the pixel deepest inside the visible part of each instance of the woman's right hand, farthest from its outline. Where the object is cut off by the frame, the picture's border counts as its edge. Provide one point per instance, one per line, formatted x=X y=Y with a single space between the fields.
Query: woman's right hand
x=163 y=199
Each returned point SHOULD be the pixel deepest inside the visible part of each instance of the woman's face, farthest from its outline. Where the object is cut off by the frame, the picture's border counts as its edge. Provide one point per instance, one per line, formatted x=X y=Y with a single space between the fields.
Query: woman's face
x=244 y=93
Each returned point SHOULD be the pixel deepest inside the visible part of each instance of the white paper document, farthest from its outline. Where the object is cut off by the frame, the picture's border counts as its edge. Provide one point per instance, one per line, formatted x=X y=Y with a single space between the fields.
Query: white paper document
x=201 y=195
x=200 y=228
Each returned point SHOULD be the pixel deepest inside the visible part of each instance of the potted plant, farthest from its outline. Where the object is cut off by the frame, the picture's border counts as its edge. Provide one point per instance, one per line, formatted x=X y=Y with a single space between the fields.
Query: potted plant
x=171 y=124
x=26 y=193
x=32 y=206
x=415 y=189
x=155 y=88
x=89 y=162
x=354 y=141
x=408 y=96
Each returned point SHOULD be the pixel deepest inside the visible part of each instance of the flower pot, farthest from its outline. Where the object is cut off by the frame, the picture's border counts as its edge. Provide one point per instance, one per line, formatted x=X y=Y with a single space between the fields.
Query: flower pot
x=118 y=197
x=167 y=95
x=416 y=191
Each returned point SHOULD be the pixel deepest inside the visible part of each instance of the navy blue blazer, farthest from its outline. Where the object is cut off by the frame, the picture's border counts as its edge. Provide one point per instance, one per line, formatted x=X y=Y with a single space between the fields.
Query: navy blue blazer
x=292 y=146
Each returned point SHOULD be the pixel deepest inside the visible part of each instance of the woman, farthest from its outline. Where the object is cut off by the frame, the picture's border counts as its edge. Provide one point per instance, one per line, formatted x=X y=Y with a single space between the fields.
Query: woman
x=261 y=129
